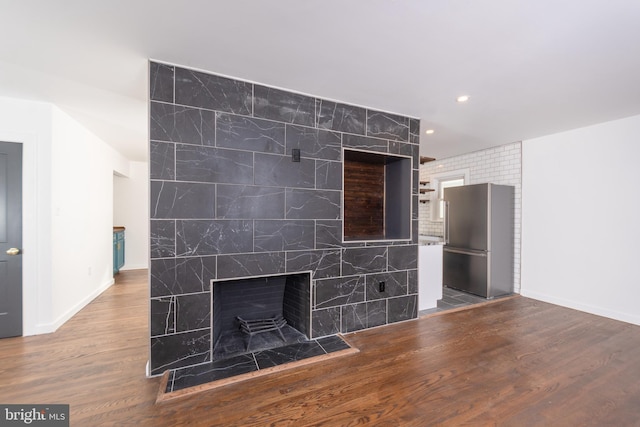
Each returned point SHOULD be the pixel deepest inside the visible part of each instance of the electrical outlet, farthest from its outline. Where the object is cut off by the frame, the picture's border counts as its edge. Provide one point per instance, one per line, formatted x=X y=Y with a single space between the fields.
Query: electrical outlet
x=295 y=155
x=381 y=286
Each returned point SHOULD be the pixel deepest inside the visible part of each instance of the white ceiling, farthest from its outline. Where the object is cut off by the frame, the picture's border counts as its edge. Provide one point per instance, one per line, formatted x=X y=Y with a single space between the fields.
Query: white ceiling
x=532 y=68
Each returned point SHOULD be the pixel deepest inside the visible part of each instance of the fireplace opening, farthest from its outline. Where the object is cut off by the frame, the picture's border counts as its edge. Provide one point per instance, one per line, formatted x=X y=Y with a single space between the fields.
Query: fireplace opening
x=254 y=314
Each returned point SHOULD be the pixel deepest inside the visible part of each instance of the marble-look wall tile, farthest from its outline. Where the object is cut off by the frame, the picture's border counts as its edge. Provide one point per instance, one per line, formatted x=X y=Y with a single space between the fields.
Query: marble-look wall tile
x=289 y=353
x=312 y=204
x=333 y=344
x=394 y=147
x=248 y=202
x=174 y=123
x=204 y=90
x=374 y=243
x=341 y=117
x=205 y=164
x=213 y=371
x=193 y=311
x=328 y=175
x=395 y=285
x=412 y=281
x=402 y=308
x=328 y=234
x=387 y=125
x=364 y=260
x=246 y=133
x=415 y=227
x=297 y=302
x=376 y=313
x=416 y=181
x=162 y=160
x=161 y=82
x=341 y=291
x=210 y=237
x=364 y=143
x=414 y=126
x=162 y=235
x=173 y=351
x=415 y=154
x=234 y=205
x=321 y=263
x=251 y=264
x=354 y=317
x=175 y=276
x=276 y=104
x=416 y=207
x=287 y=235
x=280 y=171
x=182 y=200
x=325 y=322
x=314 y=143
x=407 y=150
x=163 y=316
x=403 y=257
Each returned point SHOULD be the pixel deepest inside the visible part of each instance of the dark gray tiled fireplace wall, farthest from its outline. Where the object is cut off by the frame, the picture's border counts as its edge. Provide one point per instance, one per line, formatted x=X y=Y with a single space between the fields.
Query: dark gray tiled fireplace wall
x=227 y=201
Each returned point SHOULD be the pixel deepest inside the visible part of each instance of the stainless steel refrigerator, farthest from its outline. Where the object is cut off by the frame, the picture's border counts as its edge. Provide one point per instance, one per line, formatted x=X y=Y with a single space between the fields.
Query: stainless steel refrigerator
x=478 y=237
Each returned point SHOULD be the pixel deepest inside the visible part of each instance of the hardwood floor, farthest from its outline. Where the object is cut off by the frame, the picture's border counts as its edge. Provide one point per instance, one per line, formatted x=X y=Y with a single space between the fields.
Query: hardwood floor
x=516 y=362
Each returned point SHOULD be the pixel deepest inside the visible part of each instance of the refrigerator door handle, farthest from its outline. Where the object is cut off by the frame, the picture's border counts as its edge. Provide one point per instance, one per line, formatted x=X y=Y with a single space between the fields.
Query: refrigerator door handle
x=445 y=214
x=466 y=252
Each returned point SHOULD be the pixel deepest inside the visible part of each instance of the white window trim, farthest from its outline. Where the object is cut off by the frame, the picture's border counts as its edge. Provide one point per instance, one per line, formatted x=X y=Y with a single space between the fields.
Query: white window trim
x=435 y=184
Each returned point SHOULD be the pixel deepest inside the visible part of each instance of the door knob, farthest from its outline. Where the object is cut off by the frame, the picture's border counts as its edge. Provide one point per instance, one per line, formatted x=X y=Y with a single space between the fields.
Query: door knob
x=13 y=251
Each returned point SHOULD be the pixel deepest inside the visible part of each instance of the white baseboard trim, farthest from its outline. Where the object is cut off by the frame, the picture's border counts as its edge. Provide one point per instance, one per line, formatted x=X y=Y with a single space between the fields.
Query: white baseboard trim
x=47 y=328
x=134 y=267
x=587 y=308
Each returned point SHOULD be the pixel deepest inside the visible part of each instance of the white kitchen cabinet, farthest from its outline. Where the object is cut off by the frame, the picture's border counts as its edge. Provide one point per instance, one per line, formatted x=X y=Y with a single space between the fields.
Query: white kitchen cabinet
x=429 y=275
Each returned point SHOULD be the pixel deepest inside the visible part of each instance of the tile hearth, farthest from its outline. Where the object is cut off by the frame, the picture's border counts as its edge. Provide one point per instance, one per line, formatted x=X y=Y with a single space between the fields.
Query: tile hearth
x=253 y=364
x=234 y=343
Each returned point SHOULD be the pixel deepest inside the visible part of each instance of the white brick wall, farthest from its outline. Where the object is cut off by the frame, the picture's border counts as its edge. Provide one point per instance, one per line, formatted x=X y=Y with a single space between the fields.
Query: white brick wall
x=498 y=165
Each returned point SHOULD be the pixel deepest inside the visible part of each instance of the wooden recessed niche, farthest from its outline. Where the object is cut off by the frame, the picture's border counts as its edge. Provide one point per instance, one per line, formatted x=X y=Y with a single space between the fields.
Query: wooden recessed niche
x=377 y=196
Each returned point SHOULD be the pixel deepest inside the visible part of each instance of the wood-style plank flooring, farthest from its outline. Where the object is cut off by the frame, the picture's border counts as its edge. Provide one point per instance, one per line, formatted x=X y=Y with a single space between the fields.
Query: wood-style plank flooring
x=516 y=362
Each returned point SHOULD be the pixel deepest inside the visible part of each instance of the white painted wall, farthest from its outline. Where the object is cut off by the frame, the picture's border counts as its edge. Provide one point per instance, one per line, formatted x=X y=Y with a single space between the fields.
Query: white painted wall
x=82 y=224
x=131 y=210
x=580 y=219
x=67 y=211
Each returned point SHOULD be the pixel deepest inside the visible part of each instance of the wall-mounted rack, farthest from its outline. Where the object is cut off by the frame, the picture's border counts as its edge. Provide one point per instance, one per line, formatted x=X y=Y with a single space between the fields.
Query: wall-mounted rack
x=424 y=159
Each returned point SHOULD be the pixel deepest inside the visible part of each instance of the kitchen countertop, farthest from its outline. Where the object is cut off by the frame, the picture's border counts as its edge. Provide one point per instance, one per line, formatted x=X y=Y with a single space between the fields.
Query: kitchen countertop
x=430 y=240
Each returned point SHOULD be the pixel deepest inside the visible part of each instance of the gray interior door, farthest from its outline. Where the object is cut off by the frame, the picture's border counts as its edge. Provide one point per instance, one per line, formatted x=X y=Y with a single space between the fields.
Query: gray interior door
x=10 y=239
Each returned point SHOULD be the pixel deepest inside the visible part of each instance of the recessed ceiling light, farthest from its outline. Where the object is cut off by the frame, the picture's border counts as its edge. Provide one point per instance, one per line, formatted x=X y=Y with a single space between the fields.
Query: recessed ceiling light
x=462 y=98
x=429 y=131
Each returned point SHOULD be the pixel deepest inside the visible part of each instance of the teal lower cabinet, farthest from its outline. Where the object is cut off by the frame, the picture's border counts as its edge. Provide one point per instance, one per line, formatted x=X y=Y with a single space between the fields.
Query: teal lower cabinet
x=118 y=249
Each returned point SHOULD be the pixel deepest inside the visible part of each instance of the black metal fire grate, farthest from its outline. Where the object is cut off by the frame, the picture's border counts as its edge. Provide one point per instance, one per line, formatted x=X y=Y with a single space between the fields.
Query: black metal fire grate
x=252 y=327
